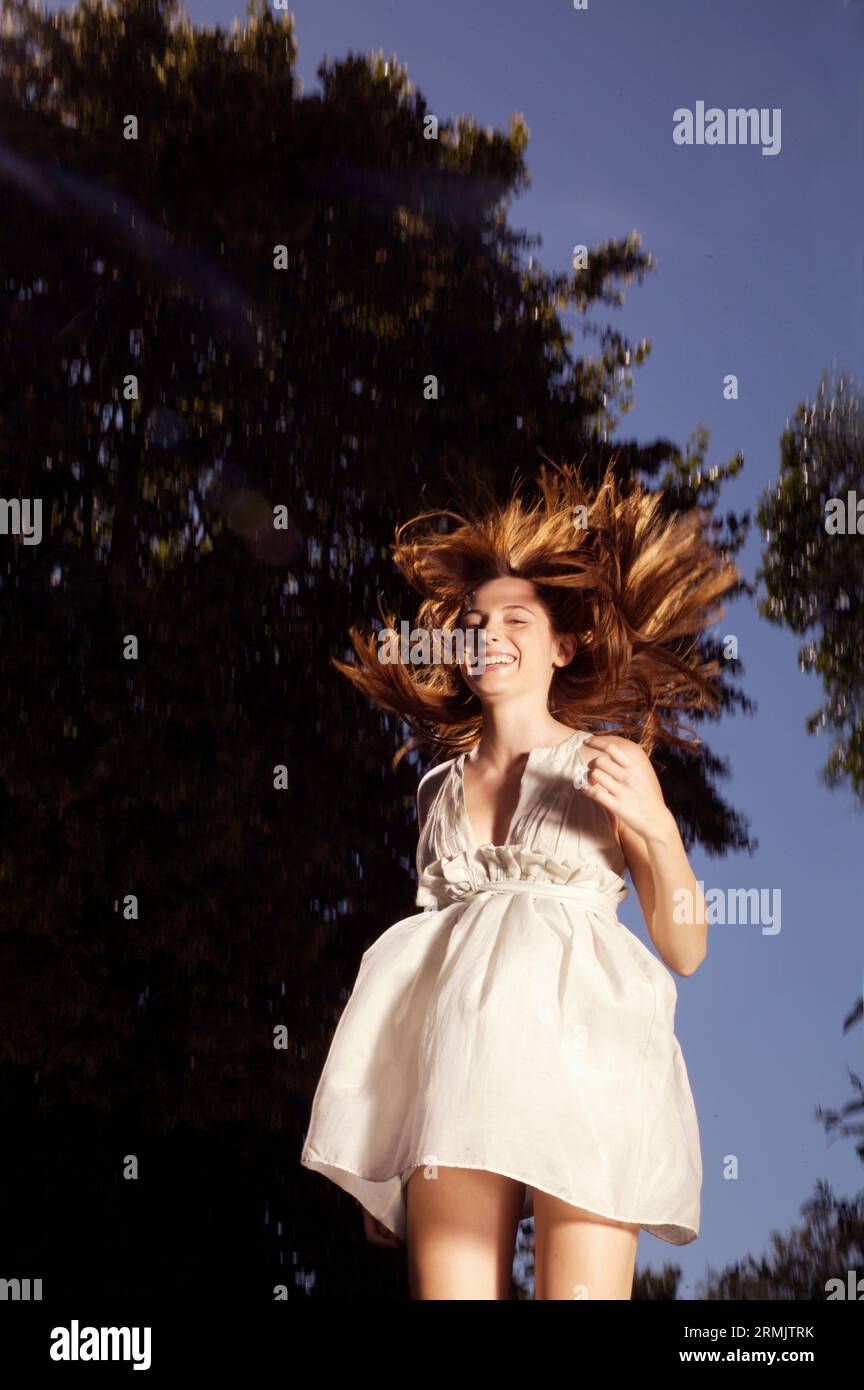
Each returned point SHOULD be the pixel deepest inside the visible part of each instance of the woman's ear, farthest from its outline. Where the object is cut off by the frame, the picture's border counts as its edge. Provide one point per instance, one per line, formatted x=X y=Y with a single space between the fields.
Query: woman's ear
x=567 y=647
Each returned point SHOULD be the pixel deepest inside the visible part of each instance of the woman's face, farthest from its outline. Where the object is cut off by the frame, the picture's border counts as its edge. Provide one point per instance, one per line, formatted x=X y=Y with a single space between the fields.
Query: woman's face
x=521 y=648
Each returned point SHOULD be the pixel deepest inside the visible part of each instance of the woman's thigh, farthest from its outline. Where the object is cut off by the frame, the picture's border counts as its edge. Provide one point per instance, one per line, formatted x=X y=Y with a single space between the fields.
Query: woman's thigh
x=461 y=1232
x=578 y=1254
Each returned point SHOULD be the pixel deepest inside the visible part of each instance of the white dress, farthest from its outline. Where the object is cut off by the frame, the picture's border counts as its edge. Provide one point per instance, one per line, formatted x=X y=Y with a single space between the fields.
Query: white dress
x=515 y=1024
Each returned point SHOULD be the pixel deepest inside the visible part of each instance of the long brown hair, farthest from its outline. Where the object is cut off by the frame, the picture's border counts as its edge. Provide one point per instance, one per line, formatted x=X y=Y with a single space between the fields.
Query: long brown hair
x=634 y=585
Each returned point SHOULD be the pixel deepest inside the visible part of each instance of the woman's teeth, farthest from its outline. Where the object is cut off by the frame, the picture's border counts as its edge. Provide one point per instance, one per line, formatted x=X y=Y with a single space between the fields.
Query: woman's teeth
x=494 y=661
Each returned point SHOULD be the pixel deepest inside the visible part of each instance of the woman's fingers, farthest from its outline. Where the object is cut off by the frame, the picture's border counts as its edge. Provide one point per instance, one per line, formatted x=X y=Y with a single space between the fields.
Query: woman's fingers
x=376 y=1233
x=603 y=763
x=609 y=745
x=600 y=778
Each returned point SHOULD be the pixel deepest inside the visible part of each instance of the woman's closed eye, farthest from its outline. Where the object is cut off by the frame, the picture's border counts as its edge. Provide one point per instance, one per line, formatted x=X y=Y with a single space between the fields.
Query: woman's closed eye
x=518 y=621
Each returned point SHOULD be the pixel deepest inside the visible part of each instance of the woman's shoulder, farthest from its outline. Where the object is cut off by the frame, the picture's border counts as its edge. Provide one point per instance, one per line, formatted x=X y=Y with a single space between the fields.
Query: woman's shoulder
x=431 y=780
x=430 y=785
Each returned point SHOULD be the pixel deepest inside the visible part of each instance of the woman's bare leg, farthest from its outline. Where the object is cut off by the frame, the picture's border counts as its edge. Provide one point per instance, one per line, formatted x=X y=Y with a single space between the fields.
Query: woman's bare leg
x=580 y=1255
x=461 y=1234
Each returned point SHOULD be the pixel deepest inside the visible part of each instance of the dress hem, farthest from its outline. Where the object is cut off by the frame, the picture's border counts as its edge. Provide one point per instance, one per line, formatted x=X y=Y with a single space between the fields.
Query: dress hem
x=654 y=1228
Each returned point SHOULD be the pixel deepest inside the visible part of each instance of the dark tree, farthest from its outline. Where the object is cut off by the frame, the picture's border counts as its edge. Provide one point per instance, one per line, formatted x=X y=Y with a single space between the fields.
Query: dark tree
x=813 y=559
x=234 y=311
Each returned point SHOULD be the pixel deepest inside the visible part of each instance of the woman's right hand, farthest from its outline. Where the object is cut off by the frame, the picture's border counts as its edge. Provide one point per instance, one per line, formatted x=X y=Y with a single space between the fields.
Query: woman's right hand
x=377 y=1234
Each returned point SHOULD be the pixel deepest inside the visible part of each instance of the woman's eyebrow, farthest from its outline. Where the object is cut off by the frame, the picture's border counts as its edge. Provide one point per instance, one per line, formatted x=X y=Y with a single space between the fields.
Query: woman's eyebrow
x=507 y=606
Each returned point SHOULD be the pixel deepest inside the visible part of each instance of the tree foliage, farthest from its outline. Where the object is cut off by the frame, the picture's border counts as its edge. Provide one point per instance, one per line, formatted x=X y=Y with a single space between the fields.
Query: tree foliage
x=299 y=387
x=801 y=1264
x=813 y=573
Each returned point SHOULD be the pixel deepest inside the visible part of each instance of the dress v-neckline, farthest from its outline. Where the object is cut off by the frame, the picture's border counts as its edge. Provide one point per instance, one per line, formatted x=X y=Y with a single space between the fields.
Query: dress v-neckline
x=463 y=805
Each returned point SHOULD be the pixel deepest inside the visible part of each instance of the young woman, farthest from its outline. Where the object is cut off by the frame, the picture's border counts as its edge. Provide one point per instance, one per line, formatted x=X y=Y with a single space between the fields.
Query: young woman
x=510 y=1051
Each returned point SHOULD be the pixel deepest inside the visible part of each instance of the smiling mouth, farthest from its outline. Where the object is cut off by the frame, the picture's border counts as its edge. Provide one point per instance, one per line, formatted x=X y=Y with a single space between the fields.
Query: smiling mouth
x=491 y=663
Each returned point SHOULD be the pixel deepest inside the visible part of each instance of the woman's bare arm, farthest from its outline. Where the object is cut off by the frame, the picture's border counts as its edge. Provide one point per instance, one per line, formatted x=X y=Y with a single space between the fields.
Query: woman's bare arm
x=660 y=869
x=622 y=781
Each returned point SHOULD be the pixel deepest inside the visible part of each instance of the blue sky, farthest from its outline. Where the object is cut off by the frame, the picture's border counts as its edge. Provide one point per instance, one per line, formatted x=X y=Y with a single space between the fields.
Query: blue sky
x=760 y=273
